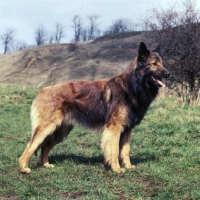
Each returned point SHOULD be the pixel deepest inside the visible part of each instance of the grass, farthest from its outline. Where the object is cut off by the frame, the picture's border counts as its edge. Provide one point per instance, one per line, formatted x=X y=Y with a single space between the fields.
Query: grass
x=165 y=147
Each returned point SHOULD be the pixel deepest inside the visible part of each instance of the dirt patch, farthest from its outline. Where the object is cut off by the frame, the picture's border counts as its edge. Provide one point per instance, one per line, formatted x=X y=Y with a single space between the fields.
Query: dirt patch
x=29 y=63
x=9 y=197
x=152 y=187
x=74 y=195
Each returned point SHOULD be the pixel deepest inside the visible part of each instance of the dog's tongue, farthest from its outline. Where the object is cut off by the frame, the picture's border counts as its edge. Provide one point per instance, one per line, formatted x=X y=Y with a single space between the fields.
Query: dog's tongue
x=160 y=83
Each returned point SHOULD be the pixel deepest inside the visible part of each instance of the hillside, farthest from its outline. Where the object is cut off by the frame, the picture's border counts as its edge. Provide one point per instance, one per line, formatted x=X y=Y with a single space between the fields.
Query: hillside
x=49 y=64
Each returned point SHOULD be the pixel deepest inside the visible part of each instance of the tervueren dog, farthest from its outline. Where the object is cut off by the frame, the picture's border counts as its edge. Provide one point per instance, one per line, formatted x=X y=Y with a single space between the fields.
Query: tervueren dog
x=114 y=105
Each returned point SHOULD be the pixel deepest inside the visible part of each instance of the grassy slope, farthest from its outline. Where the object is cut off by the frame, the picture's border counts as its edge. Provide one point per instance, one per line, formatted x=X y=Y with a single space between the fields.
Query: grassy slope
x=49 y=64
x=165 y=148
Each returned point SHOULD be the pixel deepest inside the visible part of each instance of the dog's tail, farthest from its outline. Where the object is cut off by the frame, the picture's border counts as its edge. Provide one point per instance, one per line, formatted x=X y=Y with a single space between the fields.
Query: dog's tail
x=45 y=118
x=34 y=123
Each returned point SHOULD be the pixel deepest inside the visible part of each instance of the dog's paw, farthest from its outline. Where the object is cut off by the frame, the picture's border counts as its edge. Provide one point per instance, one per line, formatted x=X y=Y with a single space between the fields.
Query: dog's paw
x=25 y=170
x=47 y=165
x=130 y=166
x=119 y=170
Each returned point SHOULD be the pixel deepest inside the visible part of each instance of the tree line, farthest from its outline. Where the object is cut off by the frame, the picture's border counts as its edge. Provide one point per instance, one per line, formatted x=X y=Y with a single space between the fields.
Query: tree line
x=81 y=33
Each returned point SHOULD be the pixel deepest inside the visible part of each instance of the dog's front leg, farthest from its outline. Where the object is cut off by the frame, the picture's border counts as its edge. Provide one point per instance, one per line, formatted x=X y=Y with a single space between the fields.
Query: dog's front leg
x=110 y=146
x=125 y=149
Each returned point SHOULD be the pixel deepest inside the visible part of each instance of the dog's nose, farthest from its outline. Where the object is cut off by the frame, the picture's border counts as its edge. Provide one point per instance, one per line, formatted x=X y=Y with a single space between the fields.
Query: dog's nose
x=167 y=74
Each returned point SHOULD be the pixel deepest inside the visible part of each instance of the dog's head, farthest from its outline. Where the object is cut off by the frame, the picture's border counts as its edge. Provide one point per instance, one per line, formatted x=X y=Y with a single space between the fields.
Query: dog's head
x=150 y=67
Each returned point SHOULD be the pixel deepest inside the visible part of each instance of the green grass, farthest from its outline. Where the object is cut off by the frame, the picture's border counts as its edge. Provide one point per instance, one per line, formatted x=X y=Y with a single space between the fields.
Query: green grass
x=165 y=148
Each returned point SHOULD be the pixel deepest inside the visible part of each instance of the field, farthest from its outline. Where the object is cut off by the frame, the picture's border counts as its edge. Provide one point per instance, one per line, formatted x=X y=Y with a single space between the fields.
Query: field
x=165 y=148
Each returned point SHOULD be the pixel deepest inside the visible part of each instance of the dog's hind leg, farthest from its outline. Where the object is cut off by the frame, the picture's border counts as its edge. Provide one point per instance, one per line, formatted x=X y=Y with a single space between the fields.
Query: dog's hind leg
x=33 y=145
x=125 y=149
x=40 y=132
x=58 y=136
x=110 y=146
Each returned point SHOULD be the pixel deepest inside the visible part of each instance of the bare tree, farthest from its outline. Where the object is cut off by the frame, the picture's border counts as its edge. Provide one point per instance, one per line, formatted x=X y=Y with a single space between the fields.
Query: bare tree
x=120 y=26
x=59 y=34
x=84 y=34
x=7 y=39
x=137 y=27
x=178 y=34
x=40 y=35
x=77 y=25
x=19 y=45
x=93 y=26
x=51 y=38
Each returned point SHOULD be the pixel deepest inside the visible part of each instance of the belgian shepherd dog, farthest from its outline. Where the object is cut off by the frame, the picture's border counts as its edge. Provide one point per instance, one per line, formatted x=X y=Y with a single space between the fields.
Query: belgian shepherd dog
x=113 y=105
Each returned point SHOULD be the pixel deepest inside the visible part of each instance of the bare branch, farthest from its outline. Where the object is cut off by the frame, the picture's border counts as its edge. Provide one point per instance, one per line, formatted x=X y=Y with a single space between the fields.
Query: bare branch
x=7 y=40
x=40 y=35
x=77 y=25
x=59 y=34
x=178 y=34
x=93 y=26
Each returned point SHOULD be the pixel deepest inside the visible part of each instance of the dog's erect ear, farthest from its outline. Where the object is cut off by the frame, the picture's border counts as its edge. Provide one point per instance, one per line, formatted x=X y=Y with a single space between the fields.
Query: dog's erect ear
x=143 y=52
x=157 y=49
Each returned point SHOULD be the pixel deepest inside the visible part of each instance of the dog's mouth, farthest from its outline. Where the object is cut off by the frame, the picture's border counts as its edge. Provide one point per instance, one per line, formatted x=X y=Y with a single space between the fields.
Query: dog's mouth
x=157 y=81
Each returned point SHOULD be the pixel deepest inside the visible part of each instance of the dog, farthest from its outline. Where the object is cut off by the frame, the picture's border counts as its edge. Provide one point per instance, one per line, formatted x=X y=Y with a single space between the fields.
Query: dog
x=112 y=105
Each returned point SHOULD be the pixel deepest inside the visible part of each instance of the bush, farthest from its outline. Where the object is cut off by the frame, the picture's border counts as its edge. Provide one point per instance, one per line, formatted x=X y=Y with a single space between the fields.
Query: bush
x=178 y=35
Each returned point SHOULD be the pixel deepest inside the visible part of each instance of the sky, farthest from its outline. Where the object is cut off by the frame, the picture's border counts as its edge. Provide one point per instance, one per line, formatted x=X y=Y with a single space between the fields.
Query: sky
x=26 y=15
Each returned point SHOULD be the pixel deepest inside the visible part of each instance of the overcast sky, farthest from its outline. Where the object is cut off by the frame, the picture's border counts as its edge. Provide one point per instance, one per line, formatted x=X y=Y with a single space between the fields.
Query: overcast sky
x=26 y=15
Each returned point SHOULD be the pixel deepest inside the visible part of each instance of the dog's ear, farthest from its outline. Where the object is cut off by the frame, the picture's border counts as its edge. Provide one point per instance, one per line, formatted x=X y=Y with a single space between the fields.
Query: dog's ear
x=157 y=49
x=143 y=52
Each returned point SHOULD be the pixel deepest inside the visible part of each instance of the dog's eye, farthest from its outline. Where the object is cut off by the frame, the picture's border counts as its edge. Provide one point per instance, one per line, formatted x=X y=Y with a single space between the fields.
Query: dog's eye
x=154 y=64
